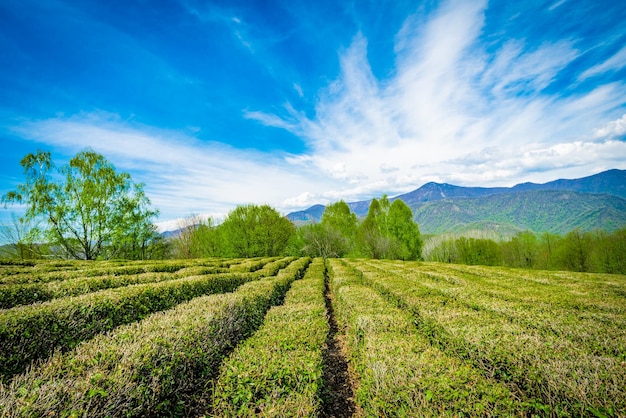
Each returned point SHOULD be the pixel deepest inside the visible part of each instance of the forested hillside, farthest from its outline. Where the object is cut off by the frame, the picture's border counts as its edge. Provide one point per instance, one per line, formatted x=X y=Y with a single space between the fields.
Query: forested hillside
x=440 y=208
x=540 y=211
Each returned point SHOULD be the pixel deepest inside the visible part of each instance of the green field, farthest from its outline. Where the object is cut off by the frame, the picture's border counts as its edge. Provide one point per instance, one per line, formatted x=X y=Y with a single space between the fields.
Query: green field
x=270 y=336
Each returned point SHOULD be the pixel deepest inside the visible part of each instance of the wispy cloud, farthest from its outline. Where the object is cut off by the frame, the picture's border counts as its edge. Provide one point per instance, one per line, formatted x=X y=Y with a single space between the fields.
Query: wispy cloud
x=457 y=111
x=616 y=62
x=182 y=174
x=464 y=102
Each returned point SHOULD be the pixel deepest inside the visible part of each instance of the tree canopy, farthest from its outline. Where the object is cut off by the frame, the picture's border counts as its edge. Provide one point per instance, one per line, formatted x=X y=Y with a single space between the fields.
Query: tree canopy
x=389 y=231
x=86 y=207
x=255 y=231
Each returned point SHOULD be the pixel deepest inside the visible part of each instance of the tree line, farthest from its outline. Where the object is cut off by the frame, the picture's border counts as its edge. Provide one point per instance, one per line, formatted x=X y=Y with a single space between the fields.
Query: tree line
x=86 y=209
x=388 y=231
x=592 y=251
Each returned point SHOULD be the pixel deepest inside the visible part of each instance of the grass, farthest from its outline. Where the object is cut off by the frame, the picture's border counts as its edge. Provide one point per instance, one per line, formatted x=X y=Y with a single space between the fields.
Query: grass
x=560 y=352
x=151 y=367
x=214 y=337
x=31 y=332
x=398 y=371
x=278 y=371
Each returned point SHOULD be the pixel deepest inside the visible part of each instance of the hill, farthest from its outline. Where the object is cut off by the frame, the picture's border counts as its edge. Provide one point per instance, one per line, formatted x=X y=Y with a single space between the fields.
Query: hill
x=312 y=214
x=517 y=207
x=541 y=211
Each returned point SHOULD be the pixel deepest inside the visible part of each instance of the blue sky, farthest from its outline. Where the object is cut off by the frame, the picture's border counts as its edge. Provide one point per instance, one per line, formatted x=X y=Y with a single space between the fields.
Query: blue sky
x=217 y=103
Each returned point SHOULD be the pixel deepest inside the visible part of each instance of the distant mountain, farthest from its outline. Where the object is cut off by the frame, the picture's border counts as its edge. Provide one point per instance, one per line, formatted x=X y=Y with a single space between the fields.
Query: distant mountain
x=540 y=211
x=436 y=191
x=611 y=182
x=312 y=214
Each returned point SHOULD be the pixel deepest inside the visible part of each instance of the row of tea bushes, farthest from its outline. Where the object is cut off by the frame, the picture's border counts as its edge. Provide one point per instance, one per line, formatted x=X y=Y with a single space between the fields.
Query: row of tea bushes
x=398 y=371
x=556 y=373
x=154 y=367
x=278 y=371
x=26 y=294
x=586 y=309
x=31 y=332
x=81 y=282
x=49 y=272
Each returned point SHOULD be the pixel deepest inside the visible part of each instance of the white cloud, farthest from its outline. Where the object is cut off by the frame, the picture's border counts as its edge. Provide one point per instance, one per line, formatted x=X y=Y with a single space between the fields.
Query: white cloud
x=182 y=174
x=298 y=88
x=302 y=200
x=556 y=4
x=614 y=128
x=616 y=62
x=453 y=111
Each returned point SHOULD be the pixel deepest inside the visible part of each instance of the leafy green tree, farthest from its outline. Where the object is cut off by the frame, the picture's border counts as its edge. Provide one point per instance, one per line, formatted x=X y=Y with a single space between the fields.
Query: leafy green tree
x=372 y=238
x=389 y=231
x=609 y=252
x=404 y=232
x=574 y=252
x=206 y=240
x=521 y=251
x=88 y=208
x=340 y=226
x=478 y=251
x=255 y=231
x=320 y=240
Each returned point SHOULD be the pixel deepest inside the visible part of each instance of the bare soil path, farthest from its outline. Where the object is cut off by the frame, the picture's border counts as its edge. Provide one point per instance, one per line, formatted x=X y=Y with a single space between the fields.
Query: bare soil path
x=338 y=393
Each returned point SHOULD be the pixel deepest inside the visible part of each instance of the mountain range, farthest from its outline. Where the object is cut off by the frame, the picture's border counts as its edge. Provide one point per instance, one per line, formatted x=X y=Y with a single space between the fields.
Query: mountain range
x=594 y=202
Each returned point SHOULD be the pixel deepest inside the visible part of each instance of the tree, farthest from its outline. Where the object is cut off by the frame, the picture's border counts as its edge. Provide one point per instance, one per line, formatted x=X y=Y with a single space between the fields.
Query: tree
x=319 y=240
x=340 y=226
x=207 y=240
x=609 y=252
x=574 y=253
x=521 y=251
x=389 y=231
x=183 y=241
x=255 y=231
x=404 y=232
x=372 y=238
x=88 y=208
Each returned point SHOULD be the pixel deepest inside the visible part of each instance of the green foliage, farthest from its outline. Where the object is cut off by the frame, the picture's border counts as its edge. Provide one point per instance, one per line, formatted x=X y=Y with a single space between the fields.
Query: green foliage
x=319 y=240
x=596 y=252
x=154 y=367
x=389 y=231
x=404 y=231
x=521 y=251
x=341 y=226
x=86 y=281
x=398 y=371
x=278 y=371
x=255 y=231
x=206 y=240
x=34 y=331
x=91 y=211
x=334 y=236
x=422 y=339
x=555 y=339
x=372 y=240
x=557 y=212
x=478 y=251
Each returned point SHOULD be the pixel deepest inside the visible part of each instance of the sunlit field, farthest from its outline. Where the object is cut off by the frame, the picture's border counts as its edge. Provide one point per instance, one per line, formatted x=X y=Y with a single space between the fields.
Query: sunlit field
x=244 y=337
